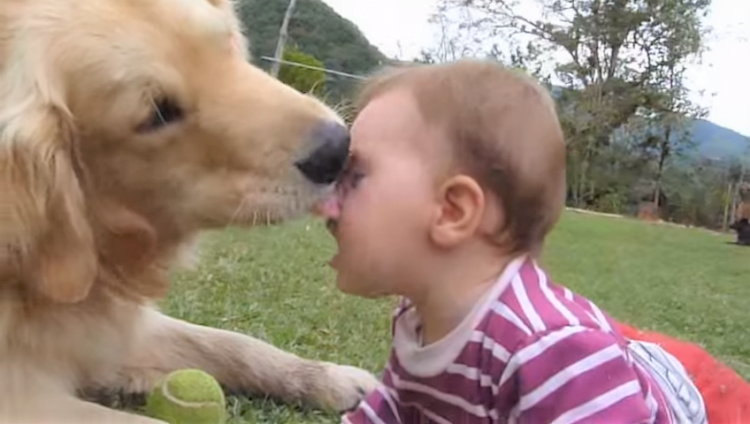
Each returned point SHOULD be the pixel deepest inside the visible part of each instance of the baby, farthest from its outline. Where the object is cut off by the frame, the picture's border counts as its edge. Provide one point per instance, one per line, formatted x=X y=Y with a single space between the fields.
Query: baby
x=456 y=177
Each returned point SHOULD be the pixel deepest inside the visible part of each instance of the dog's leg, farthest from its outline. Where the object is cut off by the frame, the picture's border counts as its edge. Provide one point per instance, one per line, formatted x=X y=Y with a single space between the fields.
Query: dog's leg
x=242 y=364
x=69 y=410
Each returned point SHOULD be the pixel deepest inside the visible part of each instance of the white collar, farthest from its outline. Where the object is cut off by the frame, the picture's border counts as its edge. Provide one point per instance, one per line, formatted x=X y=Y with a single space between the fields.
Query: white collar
x=431 y=360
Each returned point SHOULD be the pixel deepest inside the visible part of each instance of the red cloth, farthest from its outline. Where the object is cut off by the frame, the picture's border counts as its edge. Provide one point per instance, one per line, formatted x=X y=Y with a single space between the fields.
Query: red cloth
x=725 y=393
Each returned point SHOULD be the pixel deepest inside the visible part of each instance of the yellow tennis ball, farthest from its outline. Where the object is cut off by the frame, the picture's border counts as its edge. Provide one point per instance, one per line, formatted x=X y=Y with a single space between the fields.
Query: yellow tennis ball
x=187 y=396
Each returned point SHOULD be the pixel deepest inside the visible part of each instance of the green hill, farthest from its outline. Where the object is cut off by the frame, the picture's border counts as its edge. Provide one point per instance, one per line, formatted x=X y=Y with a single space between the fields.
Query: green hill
x=315 y=29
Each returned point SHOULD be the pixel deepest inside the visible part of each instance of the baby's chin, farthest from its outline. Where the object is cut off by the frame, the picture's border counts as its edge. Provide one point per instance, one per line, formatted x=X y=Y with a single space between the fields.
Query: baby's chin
x=359 y=288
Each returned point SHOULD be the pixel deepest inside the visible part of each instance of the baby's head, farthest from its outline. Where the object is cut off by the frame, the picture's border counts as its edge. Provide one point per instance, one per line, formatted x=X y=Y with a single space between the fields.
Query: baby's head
x=445 y=156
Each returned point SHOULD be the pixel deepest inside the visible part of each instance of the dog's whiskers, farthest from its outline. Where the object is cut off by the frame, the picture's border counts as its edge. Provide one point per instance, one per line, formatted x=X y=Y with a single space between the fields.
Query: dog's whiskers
x=237 y=211
x=157 y=109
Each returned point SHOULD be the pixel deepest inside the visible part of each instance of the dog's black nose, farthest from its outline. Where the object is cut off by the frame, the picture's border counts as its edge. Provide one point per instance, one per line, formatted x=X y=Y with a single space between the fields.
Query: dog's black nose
x=327 y=157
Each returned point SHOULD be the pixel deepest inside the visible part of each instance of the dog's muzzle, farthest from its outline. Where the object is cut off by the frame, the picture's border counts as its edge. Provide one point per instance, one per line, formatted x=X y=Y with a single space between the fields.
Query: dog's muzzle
x=327 y=157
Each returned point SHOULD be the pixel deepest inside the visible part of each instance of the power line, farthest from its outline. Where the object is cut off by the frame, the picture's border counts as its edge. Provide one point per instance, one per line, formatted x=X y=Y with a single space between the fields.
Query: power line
x=302 y=65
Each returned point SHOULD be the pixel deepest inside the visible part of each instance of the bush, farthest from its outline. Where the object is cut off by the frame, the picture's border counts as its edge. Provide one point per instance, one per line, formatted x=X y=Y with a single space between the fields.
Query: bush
x=306 y=80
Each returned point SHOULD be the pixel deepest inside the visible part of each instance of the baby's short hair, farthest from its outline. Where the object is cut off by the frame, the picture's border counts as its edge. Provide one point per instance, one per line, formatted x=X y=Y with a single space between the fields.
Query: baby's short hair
x=504 y=131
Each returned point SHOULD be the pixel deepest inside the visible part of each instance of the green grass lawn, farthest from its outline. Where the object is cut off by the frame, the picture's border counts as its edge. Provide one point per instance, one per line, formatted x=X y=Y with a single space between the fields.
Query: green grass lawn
x=274 y=284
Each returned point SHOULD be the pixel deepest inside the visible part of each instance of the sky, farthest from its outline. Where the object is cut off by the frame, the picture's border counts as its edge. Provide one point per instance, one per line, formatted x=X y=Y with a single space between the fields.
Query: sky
x=721 y=83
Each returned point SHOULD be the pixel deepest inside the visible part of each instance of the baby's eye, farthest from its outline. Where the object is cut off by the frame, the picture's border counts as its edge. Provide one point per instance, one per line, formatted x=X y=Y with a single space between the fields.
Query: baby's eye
x=352 y=174
x=350 y=180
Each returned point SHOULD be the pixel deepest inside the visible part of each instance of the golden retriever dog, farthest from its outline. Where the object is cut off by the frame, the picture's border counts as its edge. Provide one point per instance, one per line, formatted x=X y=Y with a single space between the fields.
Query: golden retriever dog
x=126 y=128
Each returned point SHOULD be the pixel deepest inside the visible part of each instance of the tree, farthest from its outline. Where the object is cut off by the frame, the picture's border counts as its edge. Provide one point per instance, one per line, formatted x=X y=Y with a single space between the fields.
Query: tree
x=304 y=79
x=611 y=57
x=453 y=38
x=457 y=37
x=672 y=111
x=670 y=135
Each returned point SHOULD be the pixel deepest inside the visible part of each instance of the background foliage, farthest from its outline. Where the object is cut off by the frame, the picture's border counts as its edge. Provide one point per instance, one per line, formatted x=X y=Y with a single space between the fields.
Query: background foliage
x=306 y=80
x=615 y=67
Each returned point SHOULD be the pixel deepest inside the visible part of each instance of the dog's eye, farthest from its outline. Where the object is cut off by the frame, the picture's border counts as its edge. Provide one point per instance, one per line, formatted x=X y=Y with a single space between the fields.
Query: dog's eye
x=165 y=112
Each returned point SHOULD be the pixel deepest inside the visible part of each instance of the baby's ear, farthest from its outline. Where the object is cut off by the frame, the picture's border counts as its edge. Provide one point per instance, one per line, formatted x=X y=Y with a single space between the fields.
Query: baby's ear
x=461 y=210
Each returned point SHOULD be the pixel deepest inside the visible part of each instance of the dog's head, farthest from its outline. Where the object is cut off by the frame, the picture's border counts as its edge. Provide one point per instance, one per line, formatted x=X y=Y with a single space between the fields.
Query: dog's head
x=124 y=124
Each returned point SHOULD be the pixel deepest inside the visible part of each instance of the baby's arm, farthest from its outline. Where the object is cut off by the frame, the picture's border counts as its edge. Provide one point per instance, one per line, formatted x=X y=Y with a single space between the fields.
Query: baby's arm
x=573 y=375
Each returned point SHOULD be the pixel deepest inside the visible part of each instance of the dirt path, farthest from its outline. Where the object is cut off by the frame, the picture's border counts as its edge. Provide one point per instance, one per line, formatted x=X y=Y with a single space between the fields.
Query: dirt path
x=659 y=222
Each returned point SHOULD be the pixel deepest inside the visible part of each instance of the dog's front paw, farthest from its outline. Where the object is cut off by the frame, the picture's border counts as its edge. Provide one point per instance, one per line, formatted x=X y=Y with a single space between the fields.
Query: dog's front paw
x=345 y=387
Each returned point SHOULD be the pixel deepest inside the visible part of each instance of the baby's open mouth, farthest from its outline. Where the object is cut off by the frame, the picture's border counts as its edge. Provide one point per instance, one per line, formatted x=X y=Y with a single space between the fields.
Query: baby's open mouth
x=331 y=225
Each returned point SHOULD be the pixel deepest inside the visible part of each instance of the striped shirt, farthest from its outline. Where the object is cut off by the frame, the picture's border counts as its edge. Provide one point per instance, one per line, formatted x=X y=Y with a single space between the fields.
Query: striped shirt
x=529 y=352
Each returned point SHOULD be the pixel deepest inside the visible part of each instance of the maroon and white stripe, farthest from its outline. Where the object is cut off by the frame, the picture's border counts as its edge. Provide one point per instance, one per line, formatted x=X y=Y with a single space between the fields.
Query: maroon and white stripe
x=541 y=354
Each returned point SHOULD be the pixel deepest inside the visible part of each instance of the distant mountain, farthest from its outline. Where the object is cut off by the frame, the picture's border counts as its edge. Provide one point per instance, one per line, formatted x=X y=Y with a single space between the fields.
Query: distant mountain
x=710 y=140
x=714 y=141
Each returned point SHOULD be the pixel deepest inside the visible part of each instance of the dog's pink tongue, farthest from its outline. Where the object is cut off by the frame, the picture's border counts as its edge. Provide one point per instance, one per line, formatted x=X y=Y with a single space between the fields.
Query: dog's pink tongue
x=329 y=207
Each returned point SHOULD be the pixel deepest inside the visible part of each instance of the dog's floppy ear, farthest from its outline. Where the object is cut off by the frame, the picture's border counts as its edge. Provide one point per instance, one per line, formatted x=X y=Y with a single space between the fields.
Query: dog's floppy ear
x=47 y=242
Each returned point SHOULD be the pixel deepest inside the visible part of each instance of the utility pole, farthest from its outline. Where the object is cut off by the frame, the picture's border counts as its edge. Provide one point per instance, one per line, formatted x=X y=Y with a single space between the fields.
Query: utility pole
x=283 y=33
x=737 y=199
x=728 y=206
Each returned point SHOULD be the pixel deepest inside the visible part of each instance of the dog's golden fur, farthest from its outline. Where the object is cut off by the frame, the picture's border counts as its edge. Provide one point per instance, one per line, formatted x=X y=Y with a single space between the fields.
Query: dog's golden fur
x=95 y=209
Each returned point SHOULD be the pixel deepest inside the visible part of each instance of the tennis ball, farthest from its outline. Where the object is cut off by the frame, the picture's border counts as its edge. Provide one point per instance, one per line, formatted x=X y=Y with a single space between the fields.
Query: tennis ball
x=187 y=396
